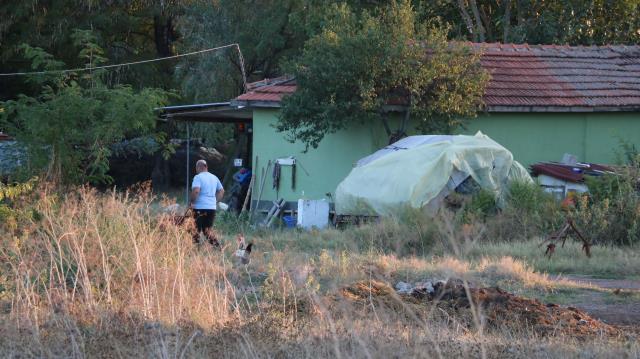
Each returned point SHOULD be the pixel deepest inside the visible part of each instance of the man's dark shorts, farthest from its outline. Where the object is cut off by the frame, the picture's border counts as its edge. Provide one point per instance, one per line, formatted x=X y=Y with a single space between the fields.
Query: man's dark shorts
x=204 y=219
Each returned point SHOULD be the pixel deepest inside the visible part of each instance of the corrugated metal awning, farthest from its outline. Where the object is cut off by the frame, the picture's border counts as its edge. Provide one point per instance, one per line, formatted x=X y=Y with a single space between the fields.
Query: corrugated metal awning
x=218 y=112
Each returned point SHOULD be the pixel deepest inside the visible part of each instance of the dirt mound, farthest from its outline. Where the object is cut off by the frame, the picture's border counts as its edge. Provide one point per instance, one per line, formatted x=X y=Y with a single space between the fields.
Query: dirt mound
x=497 y=309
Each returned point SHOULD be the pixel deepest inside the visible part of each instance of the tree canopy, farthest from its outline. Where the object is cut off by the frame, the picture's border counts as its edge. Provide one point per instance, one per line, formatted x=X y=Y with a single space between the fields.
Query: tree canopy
x=69 y=126
x=361 y=64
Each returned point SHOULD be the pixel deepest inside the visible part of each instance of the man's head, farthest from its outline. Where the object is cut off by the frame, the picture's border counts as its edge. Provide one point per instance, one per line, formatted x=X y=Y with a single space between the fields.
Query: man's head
x=201 y=166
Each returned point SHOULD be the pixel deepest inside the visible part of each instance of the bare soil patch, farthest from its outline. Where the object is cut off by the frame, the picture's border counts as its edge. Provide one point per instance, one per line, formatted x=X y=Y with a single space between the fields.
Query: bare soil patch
x=498 y=309
x=624 y=312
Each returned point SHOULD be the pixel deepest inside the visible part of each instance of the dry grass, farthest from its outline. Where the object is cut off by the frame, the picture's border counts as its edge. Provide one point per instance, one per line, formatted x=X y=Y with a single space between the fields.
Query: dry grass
x=106 y=276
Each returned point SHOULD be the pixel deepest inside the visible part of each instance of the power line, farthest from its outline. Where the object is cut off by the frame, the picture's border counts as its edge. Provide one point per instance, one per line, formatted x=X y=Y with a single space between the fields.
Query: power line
x=237 y=46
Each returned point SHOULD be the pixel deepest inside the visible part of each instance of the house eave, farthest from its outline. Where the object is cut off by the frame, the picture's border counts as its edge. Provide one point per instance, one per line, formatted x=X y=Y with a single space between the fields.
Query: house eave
x=214 y=112
x=398 y=108
x=274 y=104
x=255 y=104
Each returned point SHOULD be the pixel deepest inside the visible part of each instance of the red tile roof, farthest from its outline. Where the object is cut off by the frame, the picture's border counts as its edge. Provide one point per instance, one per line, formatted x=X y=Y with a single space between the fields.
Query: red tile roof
x=268 y=92
x=561 y=78
x=531 y=78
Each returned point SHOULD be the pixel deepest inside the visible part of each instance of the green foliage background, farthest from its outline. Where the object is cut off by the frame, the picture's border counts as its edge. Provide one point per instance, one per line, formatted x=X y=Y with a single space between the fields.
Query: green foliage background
x=71 y=123
x=74 y=116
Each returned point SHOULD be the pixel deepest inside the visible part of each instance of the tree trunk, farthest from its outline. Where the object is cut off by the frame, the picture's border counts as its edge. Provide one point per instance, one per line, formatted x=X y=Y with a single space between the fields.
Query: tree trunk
x=520 y=12
x=164 y=34
x=488 y=26
x=506 y=22
x=405 y=119
x=467 y=19
x=476 y=15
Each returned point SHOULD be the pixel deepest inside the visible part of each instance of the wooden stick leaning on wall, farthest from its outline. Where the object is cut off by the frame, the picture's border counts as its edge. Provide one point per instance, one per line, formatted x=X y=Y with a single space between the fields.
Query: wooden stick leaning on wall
x=262 y=182
x=249 y=192
x=254 y=168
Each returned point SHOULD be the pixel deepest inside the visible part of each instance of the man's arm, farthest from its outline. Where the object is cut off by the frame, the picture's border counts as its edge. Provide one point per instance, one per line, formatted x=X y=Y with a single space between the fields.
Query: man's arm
x=195 y=192
x=220 y=194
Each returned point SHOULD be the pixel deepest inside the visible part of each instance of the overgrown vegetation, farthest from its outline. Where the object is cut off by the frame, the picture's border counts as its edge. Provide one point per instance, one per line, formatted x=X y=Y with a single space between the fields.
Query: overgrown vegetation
x=609 y=214
x=71 y=124
x=100 y=269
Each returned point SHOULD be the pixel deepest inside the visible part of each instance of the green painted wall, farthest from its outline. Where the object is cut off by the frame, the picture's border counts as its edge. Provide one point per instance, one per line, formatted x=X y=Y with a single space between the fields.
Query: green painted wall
x=326 y=166
x=531 y=137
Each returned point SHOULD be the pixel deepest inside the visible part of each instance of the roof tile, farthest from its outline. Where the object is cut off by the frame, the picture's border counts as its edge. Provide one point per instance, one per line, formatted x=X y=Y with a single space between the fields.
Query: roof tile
x=533 y=76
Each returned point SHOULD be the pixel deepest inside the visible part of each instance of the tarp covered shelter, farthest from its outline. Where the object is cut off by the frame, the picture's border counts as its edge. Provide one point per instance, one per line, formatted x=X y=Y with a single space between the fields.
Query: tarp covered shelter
x=420 y=171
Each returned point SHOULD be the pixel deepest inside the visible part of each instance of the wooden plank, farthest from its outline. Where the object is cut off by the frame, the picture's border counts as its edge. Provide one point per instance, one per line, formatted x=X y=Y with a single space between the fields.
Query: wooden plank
x=253 y=173
x=246 y=198
x=263 y=180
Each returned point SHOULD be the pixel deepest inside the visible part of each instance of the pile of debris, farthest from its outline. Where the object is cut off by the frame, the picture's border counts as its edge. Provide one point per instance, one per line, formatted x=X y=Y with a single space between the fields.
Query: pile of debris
x=497 y=308
x=562 y=178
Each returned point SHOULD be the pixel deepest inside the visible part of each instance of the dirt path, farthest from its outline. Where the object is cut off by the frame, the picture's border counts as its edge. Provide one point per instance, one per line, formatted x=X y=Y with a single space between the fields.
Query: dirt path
x=616 y=305
x=627 y=284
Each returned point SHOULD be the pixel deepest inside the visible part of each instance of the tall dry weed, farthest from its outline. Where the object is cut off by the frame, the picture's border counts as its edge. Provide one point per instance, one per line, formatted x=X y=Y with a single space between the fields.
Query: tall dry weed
x=91 y=253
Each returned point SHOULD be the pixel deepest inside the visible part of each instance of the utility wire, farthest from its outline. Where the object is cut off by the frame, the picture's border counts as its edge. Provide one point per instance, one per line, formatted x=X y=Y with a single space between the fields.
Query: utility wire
x=241 y=58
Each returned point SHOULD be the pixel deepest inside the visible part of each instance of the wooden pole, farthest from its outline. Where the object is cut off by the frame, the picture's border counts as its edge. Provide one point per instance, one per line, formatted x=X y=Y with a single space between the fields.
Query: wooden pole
x=254 y=168
x=263 y=181
x=246 y=198
x=188 y=168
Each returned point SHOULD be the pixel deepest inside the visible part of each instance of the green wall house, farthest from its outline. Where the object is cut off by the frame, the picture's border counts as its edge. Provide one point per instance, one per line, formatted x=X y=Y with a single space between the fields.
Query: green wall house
x=541 y=102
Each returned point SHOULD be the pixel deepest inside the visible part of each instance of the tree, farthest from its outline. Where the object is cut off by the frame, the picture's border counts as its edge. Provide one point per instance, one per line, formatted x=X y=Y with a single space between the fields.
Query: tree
x=360 y=64
x=126 y=30
x=574 y=22
x=262 y=28
x=71 y=124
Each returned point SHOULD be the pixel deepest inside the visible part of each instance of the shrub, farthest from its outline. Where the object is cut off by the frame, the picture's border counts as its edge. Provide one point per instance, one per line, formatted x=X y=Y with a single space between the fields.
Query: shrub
x=10 y=215
x=528 y=212
x=610 y=214
x=483 y=203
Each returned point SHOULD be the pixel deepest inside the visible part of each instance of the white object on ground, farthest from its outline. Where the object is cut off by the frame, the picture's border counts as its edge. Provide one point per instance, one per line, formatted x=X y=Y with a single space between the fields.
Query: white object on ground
x=223 y=206
x=313 y=213
x=403 y=288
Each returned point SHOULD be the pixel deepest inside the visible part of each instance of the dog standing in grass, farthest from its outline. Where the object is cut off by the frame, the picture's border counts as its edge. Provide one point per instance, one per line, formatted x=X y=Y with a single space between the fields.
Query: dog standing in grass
x=206 y=192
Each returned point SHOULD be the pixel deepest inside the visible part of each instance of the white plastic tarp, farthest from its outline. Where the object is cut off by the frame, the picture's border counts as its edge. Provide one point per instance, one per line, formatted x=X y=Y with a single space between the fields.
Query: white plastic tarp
x=419 y=171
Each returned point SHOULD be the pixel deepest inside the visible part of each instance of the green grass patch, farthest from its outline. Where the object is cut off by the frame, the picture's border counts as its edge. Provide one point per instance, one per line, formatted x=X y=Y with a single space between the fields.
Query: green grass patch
x=605 y=262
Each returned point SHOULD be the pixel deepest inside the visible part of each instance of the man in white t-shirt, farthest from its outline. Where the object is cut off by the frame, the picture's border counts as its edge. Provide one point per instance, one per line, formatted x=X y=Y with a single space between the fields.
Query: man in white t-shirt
x=206 y=191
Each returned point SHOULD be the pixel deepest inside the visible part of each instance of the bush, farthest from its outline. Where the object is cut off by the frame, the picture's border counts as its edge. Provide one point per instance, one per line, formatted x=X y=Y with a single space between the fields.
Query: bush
x=482 y=204
x=10 y=215
x=610 y=214
x=528 y=212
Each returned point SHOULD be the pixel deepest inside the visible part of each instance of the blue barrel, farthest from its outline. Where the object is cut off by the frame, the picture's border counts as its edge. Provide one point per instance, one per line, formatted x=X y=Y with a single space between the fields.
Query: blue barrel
x=290 y=221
